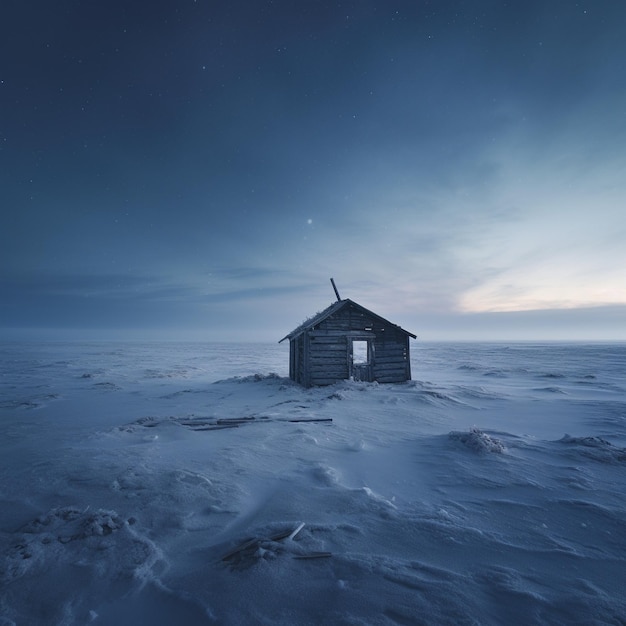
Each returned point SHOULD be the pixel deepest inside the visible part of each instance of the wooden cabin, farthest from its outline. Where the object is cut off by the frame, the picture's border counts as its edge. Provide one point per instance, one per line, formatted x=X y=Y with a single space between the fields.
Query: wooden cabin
x=347 y=341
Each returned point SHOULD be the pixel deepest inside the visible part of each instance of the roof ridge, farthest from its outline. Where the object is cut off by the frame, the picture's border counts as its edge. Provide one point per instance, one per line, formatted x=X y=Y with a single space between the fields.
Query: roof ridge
x=320 y=316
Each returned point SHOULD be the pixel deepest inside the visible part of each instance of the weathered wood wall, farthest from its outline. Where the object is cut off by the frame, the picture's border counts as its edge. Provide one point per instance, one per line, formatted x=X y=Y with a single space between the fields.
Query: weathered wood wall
x=391 y=360
x=321 y=356
x=328 y=361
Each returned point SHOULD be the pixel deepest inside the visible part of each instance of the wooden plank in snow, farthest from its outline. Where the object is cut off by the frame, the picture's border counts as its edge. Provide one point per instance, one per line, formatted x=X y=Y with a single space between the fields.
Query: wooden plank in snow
x=313 y=555
x=311 y=419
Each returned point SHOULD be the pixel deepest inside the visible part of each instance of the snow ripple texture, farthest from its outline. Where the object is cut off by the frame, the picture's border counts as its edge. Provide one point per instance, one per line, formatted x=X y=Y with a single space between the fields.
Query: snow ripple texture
x=196 y=484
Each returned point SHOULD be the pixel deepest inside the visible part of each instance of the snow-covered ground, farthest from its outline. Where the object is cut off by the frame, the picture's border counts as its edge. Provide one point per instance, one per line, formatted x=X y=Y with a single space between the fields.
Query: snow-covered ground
x=168 y=483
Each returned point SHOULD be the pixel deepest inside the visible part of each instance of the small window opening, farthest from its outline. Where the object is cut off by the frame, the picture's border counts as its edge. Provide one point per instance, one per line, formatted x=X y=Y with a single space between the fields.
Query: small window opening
x=359 y=352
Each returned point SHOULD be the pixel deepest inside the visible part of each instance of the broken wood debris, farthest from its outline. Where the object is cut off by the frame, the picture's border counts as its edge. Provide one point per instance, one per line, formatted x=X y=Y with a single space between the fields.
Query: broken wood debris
x=312 y=419
x=188 y=422
x=293 y=533
x=250 y=547
x=207 y=423
x=216 y=427
x=235 y=422
x=248 y=551
x=249 y=543
x=313 y=555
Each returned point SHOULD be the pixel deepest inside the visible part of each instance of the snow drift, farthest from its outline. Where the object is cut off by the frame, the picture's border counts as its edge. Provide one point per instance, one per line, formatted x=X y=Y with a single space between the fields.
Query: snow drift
x=136 y=489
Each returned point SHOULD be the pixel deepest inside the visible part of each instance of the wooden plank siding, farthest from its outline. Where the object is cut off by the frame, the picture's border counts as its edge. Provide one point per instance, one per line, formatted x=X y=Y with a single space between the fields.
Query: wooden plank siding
x=321 y=348
x=327 y=359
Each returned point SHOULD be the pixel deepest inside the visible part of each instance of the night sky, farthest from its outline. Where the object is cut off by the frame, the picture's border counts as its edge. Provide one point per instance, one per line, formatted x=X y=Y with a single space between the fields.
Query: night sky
x=196 y=169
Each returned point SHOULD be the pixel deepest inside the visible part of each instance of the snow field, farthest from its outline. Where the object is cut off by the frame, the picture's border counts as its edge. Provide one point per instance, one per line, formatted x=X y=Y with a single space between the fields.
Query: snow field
x=451 y=502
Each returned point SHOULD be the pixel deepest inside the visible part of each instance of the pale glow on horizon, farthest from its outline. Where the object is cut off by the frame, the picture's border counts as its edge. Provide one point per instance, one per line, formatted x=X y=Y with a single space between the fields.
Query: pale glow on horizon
x=559 y=246
x=502 y=295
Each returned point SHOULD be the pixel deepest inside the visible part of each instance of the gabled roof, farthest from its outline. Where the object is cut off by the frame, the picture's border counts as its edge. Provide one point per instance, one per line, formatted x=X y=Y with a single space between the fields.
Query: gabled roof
x=333 y=308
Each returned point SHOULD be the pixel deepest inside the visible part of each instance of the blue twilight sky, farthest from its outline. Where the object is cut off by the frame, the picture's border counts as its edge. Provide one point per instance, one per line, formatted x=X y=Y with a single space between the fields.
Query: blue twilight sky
x=200 y=169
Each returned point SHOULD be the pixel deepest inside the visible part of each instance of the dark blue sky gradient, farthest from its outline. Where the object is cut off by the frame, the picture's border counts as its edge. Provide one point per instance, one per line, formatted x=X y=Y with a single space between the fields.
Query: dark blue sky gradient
x=199 y=169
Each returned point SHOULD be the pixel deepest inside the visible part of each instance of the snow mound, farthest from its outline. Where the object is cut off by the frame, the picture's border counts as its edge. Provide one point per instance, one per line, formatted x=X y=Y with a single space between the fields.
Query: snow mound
x=596 y=448
x=67 y=536
x=478 y=441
